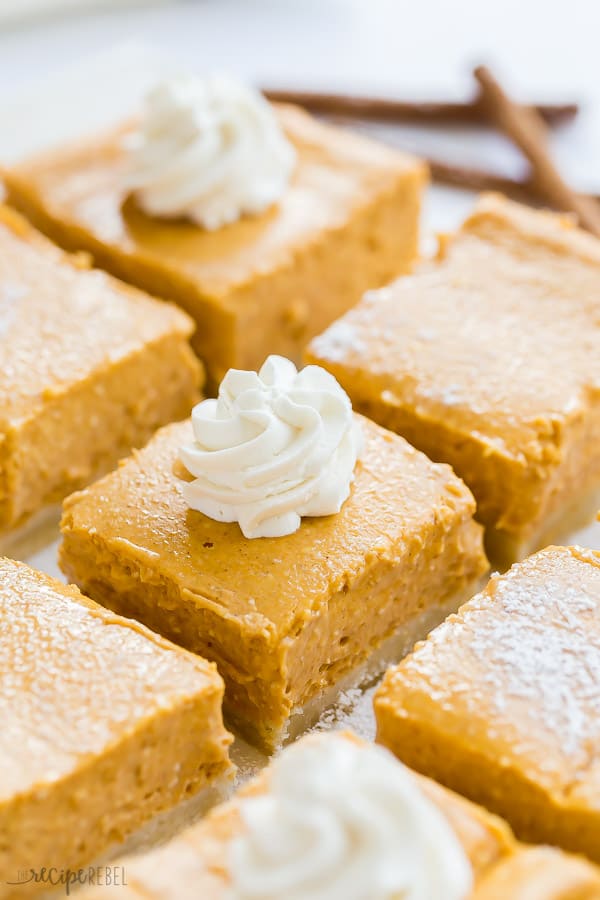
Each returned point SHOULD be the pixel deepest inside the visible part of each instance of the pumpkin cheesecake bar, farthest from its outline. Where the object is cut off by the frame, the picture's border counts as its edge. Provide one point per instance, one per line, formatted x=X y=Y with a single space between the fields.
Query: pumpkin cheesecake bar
x=104 y=724
x=284 y=617
x=502 y=701
x=489 y=359
x=347 y=221
x=354 y=823
x=89 y=369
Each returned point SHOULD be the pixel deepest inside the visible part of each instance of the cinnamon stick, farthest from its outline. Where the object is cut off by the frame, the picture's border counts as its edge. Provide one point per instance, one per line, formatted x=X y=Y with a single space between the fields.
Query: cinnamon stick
x=525 y=128
x=479 y=180
x=454 y=175
x=470 y=178
x=473 y=179
x=387 y=110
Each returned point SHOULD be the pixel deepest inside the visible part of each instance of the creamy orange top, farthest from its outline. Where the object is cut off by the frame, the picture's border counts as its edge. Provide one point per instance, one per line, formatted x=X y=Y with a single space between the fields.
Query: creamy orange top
x=336 y=173
x=60 y=322
x=515 y=673
x=500 y=338
x=268 y=584
x=75 y=679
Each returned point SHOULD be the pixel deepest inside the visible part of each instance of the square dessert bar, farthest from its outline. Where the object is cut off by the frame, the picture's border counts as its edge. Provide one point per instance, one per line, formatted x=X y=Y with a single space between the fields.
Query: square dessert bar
x=502 y=701
x=489 y=359
x=197 y=862
x=89 y=369
x=284 y=618
x=265 y=284
x=104 y=724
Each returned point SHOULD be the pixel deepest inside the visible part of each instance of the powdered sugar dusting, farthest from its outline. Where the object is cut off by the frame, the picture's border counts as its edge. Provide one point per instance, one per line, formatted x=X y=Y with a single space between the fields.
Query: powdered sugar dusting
x=531 y=659
x=10 y=294
x=353 y=710
x=340 y=340
x=541 y=649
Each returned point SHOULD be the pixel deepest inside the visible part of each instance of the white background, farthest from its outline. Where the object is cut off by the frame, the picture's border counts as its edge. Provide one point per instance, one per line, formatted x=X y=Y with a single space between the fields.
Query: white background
x=414 y=48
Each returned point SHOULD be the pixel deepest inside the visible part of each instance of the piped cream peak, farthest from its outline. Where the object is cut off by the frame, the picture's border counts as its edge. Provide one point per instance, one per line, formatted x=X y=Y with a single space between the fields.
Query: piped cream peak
x=275 y=446
x=209 y=150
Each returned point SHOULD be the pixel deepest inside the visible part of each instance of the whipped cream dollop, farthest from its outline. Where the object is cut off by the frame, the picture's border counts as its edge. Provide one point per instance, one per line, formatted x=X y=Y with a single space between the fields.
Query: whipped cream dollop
x=345 y=821
x=209 y=150
x=275 y=446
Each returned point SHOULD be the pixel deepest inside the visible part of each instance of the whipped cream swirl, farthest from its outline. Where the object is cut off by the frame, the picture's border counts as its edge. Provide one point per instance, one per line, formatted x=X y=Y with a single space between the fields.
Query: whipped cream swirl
x=274 y=447
x=345 y=821
x=209 y=150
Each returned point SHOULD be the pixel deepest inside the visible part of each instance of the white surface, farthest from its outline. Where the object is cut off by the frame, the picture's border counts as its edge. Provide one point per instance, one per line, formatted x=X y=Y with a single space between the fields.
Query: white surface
x=543 y=48
x=25 y=11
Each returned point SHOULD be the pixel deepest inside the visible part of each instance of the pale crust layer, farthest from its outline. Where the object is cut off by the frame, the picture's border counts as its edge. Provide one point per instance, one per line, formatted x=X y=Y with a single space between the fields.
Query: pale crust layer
x=501 y=702
x=104 y=724
x=489 y=359
x=89 y=368
x=283 y=618
x=195 y=863
x=265 y=284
